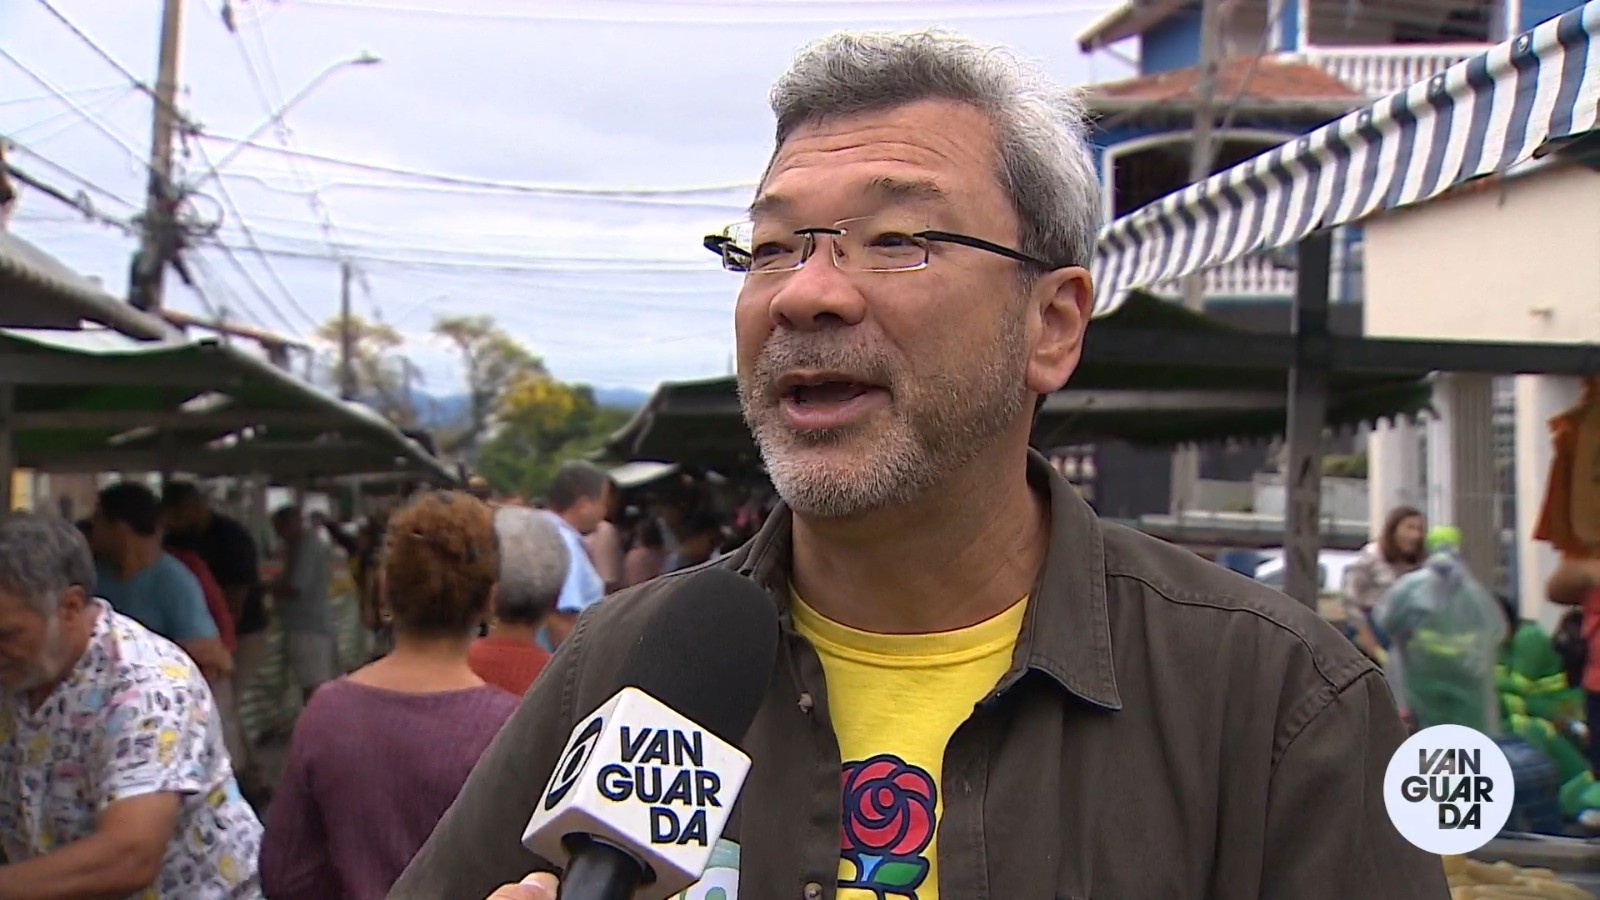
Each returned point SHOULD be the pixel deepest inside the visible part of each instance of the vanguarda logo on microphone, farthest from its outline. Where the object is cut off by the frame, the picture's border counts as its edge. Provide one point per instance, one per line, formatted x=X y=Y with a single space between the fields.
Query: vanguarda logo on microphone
x=640 y=771
x=665 y=768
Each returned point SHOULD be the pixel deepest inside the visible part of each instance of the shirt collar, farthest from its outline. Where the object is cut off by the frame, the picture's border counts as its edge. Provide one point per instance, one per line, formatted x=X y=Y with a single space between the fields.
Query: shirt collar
x=1066 y=630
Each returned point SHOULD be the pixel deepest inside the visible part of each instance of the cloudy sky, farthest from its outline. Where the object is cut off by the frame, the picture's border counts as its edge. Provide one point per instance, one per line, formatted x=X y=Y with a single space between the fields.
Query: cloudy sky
x=585 y=145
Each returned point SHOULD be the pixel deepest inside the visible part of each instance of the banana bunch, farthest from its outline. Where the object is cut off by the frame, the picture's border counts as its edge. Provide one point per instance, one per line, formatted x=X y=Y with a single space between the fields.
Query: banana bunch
x=1474 y=880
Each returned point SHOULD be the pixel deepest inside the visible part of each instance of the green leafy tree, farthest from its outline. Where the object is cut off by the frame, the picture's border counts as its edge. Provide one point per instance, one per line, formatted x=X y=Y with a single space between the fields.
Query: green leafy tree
x=539 y=424
x=383 y=375
x=492 y=362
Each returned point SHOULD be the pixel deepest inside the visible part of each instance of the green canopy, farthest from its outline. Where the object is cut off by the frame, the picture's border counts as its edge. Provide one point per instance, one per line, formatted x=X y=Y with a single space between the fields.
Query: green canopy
x=39 y=291
x=1113 y=395
x=99 y=401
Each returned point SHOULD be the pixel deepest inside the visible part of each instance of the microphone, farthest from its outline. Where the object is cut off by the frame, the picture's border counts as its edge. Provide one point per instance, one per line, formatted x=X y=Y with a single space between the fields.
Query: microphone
x=646 y=782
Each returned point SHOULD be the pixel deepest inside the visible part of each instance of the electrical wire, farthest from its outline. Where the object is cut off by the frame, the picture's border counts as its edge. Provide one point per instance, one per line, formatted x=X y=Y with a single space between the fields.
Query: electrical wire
x=733 y=208
x=39 y=98
x=63 y=170
x=518 y=187
x=119 y=140
x=102 y=106
x=255 y=246
x=700 y=260
x=789 y=13
x=133 y=79
x=271 y=102
x=255 y=287
x=605 y=267
x=80 y=203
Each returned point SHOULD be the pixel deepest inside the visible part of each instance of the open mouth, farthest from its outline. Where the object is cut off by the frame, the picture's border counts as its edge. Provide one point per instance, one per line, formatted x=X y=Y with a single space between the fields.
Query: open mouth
x=827 y=392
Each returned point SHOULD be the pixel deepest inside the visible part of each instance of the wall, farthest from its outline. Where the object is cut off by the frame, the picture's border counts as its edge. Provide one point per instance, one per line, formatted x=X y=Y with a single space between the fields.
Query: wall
x=1513 y=260
x=1174 y=44
x=1343 y=499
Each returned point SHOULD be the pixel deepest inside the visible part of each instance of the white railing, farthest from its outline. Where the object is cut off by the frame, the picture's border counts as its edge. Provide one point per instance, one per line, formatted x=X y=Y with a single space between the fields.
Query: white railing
x=1252 y=276
x=1380 y=71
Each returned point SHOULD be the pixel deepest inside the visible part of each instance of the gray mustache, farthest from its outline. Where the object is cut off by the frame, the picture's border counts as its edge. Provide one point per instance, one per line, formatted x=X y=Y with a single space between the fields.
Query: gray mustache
x=781 y=355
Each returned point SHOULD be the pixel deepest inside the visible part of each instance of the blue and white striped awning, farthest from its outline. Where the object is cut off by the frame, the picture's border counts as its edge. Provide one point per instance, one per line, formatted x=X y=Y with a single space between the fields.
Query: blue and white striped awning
x=1478 y=117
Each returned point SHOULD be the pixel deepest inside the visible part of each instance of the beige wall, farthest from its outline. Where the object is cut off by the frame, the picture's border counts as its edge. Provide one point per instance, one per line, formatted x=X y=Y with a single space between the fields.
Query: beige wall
x=1516 y=260
x=1513 y=261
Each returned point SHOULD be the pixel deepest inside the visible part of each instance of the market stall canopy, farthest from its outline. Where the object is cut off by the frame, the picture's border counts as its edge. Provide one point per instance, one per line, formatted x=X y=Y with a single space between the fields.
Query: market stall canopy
x=1479 y=117
x=639 y=473
x=99 y=401
x=39 y=291
x=1113 y=395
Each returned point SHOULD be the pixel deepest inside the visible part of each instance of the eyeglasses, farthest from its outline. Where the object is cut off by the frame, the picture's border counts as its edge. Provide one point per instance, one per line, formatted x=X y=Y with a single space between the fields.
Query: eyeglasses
x=860 y=244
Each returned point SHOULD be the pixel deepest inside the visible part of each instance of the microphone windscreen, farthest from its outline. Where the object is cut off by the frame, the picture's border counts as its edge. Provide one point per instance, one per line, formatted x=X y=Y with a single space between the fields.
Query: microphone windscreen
x=708 y=651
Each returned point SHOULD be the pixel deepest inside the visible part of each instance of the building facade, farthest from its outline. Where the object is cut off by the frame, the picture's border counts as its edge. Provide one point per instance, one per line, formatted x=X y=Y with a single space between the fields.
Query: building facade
x=1283 y=68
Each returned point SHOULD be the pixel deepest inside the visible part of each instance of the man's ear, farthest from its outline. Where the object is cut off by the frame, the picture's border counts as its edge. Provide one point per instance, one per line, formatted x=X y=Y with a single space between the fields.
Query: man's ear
x=1061 y=302
x=74 y=601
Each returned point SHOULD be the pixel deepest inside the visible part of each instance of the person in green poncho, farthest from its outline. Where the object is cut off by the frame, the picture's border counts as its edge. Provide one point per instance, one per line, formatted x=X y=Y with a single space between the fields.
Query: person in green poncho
x=1446 y=633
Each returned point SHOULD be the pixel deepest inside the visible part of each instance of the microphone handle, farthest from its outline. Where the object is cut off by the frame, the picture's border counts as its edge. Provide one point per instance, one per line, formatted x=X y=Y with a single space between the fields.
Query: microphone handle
x=599 y=871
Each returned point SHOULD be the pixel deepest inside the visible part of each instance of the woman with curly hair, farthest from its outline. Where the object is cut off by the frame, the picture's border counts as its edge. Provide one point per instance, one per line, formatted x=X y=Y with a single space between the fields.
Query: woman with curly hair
x=377 y=756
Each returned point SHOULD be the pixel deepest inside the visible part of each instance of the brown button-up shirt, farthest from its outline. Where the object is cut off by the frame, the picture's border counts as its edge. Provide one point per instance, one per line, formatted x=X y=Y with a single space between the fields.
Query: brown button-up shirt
x=1168 y=729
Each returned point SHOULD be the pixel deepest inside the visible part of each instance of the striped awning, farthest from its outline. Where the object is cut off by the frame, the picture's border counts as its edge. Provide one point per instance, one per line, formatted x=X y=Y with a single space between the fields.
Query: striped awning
x=1478 y=117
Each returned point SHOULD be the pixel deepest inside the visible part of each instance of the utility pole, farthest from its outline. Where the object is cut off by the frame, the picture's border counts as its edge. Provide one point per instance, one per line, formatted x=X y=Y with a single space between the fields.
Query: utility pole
x=159 y=242
x=347 y=338
x=1186 y=460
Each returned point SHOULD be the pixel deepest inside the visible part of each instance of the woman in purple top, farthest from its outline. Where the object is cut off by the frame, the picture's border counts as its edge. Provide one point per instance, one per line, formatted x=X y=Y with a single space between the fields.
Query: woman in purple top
x=378 y=756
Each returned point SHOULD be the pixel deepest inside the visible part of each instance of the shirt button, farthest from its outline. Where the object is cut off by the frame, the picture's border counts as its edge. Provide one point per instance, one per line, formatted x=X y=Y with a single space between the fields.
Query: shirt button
x=813 y=891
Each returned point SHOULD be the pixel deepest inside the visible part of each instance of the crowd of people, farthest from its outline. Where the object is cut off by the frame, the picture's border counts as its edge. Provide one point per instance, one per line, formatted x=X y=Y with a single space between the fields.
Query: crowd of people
x=128 y=638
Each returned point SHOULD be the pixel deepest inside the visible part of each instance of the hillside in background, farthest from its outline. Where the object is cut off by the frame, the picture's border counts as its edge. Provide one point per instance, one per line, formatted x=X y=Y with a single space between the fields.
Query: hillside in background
x=451 y=409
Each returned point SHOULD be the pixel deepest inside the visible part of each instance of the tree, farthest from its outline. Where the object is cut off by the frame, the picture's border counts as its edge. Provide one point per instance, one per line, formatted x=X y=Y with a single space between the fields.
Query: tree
x=383 y=374
x=492 y=361
x=539 y=424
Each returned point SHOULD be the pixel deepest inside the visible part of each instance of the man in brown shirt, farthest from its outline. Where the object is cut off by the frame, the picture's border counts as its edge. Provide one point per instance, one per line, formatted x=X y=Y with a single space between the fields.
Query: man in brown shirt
x=1155 y=726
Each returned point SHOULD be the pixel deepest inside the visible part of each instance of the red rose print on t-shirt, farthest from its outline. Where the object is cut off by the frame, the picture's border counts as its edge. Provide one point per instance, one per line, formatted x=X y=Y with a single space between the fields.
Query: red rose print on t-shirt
x=889 y=820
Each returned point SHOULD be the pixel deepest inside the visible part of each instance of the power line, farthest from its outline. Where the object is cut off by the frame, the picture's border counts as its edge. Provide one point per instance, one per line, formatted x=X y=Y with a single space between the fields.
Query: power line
x=519 y=187
x=103 y=105
x=791 y=13
x=734 y=207
x=486 y=257
x=570 y=266
x=233 y=209
x=18 y=101
x=271 y=102
x=45 y=160
x=135 y=80
x=42 y=82
x=80 y=203
x=700 y=261
x=255 y=286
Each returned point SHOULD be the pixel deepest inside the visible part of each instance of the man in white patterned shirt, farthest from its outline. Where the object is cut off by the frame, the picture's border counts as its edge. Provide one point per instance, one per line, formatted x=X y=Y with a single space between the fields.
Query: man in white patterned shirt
x=114 y=779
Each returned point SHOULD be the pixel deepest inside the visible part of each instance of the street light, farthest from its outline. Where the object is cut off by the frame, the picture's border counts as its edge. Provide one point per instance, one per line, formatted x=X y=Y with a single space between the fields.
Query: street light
x=365 y=59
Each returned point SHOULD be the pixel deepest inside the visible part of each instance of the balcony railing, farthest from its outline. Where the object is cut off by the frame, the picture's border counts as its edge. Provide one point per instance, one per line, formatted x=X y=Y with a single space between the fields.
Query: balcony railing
x=1380 y=71
x=1252 y=276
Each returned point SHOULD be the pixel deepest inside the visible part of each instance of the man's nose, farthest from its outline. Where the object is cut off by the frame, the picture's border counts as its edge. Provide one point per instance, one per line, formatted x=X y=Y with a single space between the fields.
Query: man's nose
x=817 y=295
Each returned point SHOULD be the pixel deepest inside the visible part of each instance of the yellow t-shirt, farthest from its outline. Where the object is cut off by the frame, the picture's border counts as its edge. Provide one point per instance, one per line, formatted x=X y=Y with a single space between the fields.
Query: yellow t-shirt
x=894 y=700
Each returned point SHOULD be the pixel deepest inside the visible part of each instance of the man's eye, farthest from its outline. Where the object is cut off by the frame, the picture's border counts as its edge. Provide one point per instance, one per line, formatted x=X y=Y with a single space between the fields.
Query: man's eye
x=772 y=248
x=894 y=239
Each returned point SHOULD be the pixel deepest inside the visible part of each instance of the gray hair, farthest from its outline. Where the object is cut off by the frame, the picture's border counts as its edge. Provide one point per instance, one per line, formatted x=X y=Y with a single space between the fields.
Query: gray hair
x=1046 y=166
x=42 y=556
x=533 y=564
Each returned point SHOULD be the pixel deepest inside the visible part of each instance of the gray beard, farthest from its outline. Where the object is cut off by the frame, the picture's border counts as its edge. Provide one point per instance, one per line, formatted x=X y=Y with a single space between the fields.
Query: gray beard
x=938 y=425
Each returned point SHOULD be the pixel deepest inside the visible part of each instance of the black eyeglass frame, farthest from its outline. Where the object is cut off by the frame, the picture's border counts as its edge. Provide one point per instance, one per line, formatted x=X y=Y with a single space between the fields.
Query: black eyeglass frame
x=721 y=244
